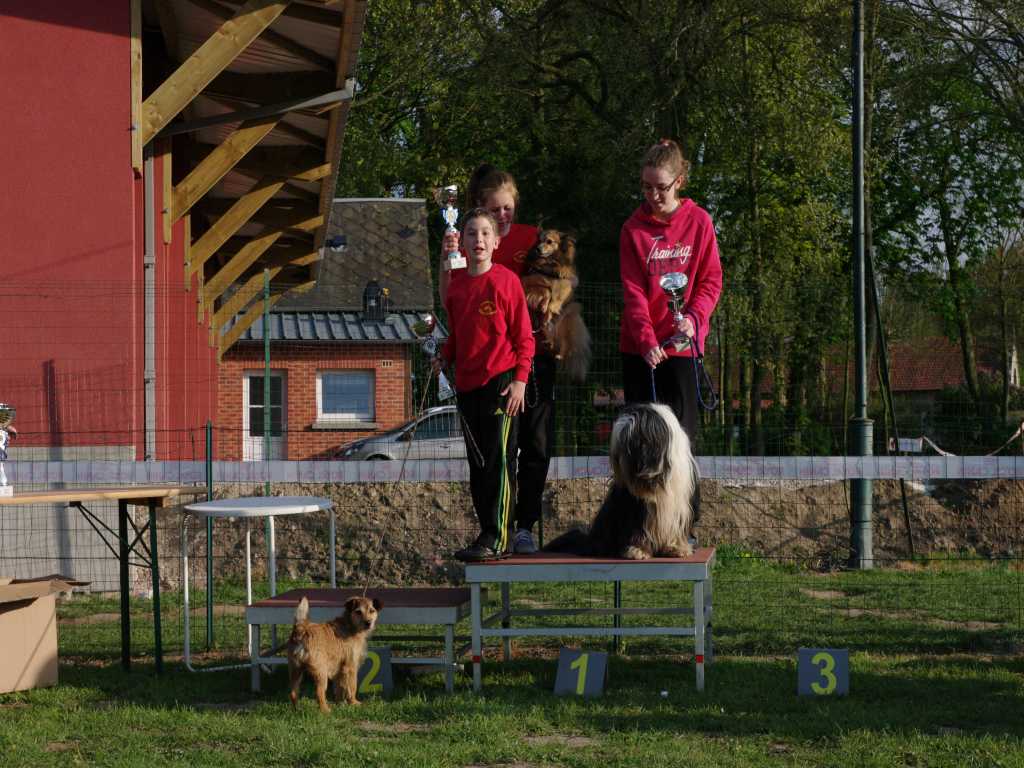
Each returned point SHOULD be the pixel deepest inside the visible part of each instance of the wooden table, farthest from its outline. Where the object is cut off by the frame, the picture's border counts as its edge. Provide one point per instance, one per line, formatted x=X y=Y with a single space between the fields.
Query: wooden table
x=149 y=496
x=553 y=567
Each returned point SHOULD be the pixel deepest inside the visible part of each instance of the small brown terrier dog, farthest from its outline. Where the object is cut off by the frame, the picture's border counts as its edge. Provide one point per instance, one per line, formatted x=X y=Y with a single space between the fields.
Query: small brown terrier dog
x=549 y=278
x=332 y=651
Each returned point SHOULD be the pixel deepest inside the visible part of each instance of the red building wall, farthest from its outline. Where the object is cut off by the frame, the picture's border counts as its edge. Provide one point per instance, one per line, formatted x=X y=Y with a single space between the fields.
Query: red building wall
x=70 y=301
x=300 y=363
x=71 y=275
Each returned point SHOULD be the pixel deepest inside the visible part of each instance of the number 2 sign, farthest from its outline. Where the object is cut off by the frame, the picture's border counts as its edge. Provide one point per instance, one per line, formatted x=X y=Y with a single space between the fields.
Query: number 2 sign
x=375 y=673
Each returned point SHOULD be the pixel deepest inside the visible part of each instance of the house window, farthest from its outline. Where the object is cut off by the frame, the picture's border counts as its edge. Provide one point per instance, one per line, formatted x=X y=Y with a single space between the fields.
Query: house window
x=344 y=396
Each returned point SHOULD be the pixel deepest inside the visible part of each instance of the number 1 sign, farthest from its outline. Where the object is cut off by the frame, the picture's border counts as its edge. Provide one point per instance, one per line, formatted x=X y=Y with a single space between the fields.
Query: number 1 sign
x=580 y=673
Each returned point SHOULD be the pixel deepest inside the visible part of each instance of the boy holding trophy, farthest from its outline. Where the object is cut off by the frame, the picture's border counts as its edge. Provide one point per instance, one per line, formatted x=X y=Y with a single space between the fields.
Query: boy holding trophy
x=491 y=344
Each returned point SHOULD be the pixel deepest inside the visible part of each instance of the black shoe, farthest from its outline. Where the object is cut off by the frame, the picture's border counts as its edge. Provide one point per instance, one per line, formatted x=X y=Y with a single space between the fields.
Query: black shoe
x=477 y=553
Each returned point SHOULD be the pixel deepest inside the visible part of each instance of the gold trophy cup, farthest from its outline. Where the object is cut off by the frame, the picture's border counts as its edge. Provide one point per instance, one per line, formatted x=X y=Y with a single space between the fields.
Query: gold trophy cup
x=7 y=413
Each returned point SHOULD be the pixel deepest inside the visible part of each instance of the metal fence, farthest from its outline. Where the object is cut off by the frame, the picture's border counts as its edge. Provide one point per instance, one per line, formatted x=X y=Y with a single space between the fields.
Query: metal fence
x=781 y=519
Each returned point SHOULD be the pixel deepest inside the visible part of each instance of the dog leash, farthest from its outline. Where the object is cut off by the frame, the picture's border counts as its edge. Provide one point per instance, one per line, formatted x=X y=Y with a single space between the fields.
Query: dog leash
x=700 y=374
x=401 y=473
x=477 y=454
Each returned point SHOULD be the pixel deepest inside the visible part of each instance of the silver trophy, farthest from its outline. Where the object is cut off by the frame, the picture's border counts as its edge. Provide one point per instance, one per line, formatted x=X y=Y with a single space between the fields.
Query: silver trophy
x=424 y=331
x=7 y=413
x=447 y=198
x=674 y=285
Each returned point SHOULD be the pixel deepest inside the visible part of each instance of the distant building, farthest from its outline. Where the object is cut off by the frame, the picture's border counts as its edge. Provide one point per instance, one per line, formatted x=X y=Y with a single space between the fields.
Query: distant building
x=342 y=356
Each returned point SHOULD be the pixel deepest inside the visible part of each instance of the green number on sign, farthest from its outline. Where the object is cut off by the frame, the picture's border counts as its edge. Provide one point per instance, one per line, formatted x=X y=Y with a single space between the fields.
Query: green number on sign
x=368 y=686
x=581 y=665
x=828 y=664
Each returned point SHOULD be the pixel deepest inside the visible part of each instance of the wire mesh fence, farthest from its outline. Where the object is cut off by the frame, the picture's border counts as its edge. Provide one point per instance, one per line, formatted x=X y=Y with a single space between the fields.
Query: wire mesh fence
x=775 y=494
x=947 y=545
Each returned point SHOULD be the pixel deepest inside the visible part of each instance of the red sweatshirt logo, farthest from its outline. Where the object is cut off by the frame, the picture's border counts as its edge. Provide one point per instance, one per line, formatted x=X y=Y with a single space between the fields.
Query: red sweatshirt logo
x=487 y=308
x=670 y=258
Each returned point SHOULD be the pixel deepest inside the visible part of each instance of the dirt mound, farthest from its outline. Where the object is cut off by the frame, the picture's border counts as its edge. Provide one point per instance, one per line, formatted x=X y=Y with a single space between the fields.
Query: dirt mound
x=405 y=533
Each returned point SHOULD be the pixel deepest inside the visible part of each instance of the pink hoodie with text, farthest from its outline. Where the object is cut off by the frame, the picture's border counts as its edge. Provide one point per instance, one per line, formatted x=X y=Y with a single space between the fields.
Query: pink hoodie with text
x=649 y=248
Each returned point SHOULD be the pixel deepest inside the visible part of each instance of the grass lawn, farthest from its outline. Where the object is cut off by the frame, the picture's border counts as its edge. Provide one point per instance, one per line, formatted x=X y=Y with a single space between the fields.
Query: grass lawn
x=937 y=678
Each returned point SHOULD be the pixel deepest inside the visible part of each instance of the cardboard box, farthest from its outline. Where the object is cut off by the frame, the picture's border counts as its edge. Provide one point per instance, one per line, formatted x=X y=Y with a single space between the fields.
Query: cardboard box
x=28 y=631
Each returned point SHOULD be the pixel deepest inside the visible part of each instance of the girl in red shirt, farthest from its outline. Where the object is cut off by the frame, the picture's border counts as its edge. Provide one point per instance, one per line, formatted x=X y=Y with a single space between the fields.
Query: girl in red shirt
x=666 y=234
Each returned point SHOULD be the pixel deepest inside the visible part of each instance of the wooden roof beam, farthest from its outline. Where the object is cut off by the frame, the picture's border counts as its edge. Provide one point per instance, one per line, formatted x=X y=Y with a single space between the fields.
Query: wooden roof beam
x=301 y=218
x=215 y=165
x=236 y=217
x=270 y=87
x=292 y=130
x=246 y=257
x=296 y=256
x=240 y=299
x=293 y=162
x=279 y=213
x=283 y=42
x=234 y=333
x=212 y=58
x=312 y=106
x=306 y=13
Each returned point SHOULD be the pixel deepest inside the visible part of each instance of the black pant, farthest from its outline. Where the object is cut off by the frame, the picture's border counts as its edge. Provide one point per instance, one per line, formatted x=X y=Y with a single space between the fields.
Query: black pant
x=676 y=387
x=536 y=439
x=490 y=436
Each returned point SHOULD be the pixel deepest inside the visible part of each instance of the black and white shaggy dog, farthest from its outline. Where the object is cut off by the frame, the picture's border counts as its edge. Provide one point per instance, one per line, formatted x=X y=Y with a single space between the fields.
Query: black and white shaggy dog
x=654 y=500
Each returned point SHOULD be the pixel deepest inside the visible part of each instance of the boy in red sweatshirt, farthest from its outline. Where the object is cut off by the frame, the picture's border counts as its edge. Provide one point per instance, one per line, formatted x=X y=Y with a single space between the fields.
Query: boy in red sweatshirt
x=490 y=341
x=666 y=234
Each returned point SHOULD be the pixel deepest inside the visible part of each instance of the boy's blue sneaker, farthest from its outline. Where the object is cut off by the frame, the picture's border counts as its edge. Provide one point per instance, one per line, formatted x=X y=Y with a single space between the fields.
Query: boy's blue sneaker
x=522 y=543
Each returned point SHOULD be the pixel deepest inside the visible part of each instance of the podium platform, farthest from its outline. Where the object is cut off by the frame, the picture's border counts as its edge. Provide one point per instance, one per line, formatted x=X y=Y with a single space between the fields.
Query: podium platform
x=554 y=567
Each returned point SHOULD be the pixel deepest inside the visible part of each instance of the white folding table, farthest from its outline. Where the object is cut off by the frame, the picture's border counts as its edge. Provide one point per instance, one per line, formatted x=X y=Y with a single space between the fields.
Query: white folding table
x=247 y=509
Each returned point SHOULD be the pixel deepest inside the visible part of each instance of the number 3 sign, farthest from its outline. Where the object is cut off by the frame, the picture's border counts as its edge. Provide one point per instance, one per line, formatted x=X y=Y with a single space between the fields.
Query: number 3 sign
x=823 y=672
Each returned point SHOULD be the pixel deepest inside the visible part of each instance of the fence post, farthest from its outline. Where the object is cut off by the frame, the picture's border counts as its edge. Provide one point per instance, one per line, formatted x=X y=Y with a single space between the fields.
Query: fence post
x=209 y=536
x=861 y=431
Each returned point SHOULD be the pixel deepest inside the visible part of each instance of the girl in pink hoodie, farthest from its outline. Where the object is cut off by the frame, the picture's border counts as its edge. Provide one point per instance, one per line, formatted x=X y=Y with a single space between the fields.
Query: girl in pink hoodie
x=666 y=234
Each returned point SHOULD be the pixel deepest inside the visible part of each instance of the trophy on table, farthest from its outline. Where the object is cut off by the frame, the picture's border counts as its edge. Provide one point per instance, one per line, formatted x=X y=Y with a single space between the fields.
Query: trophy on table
x=424 y=331
x=7 y=413
x=447 y=197
x=674 y=284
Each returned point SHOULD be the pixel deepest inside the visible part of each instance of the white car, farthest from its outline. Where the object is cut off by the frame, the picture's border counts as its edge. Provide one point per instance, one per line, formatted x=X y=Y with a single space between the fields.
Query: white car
x=436 y=434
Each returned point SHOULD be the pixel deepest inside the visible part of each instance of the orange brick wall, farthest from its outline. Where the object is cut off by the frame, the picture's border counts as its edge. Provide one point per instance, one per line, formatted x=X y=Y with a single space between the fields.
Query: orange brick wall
x=300 y=363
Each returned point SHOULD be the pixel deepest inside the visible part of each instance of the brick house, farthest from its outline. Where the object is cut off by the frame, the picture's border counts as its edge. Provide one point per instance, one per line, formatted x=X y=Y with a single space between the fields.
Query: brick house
x=343 y=356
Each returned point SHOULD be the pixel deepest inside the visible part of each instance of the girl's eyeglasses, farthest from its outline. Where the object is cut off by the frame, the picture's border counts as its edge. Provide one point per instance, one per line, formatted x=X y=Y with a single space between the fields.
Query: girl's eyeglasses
x=662 y=189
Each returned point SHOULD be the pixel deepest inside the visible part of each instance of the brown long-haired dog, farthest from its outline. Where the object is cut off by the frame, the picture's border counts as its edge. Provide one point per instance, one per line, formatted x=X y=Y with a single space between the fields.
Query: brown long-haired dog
x=331 y=652
x=549 y=278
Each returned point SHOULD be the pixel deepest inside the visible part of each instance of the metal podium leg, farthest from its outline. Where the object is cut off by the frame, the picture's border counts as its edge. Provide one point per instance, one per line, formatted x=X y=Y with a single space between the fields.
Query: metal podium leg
x=506 y=620
x=477 y=652
x=254 y=652
x=449 y=657
x=709 y=617
x=122 y=541
x=698 y=632
x=154 y=559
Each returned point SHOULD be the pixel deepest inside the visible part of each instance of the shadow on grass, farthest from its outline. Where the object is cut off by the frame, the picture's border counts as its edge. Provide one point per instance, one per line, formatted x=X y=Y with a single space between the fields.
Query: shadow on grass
x=744 y=696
